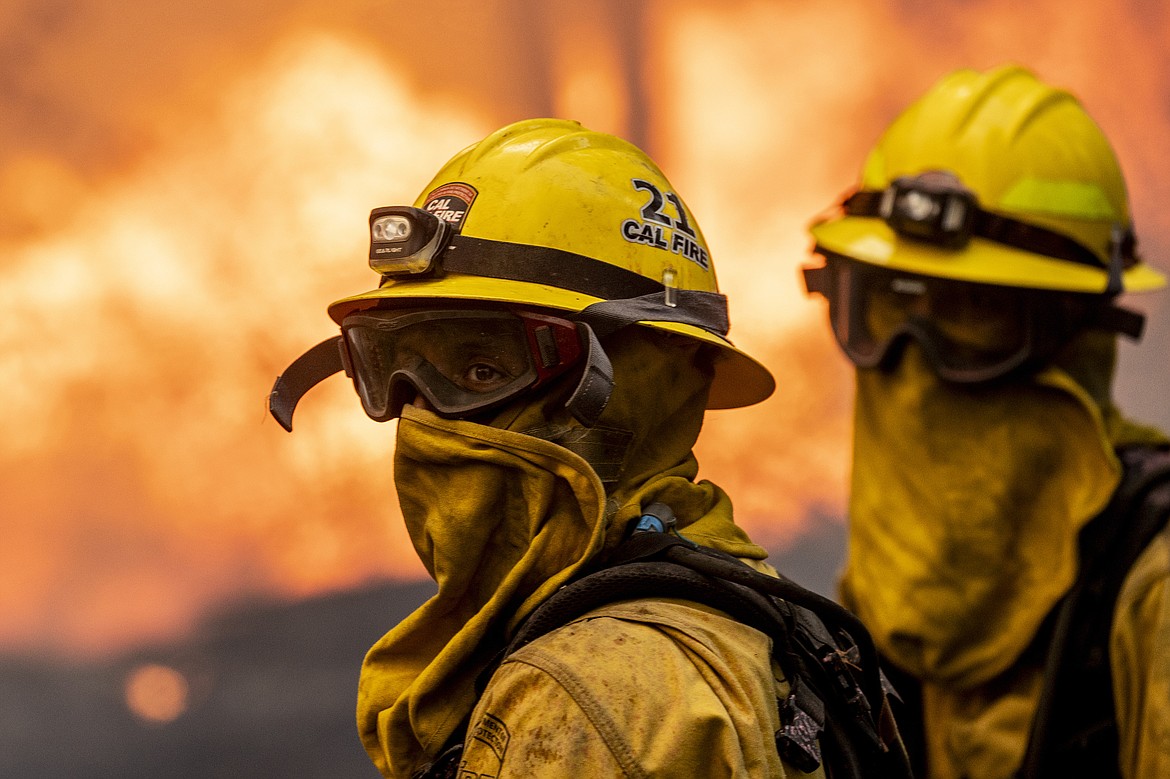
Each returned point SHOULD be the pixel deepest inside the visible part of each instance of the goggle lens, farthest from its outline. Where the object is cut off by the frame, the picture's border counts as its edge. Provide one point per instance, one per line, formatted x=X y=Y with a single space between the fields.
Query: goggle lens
x=462 y=361
x=969 y=332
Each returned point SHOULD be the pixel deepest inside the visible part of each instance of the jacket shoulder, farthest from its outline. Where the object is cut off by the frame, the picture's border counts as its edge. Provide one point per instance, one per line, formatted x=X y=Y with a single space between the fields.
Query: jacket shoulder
x=1140 y=662
x=668 y=688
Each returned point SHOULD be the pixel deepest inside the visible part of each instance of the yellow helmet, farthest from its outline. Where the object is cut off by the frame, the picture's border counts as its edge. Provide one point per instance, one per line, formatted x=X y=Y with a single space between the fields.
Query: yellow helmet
x=546 y=213
x=996 y=178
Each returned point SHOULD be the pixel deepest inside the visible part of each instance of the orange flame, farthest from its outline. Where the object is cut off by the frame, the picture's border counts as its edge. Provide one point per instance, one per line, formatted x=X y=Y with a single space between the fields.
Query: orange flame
x=153 y=287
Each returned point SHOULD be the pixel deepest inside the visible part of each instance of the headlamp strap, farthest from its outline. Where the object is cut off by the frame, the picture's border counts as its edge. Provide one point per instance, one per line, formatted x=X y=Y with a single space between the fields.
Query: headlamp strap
x=627 y=297
x=1012 y=232
x=555 y=267
x=306 y=372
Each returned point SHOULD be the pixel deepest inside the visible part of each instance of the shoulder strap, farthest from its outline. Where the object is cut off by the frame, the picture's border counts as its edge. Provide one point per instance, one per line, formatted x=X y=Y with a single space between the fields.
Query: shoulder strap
x=838 y=692
x=835 y=711
x=1074 y=732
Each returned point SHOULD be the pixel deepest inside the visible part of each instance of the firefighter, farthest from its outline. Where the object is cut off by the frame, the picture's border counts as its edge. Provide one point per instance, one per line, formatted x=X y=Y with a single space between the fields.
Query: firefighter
x=548 y=333
x=1005 y=542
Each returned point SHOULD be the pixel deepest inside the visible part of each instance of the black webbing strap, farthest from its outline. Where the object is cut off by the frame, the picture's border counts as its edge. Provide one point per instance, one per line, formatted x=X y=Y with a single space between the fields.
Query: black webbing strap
x=591 y=395
x=801 y=624
x=1010 y=232
x=306 y=372
x=627 y=297
x=543 y=265
x=707 y=310
x=1074 y=732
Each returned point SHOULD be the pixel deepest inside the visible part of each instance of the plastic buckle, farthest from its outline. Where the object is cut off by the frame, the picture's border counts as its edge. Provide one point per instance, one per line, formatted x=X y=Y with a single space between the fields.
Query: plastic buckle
x=656 y=518
x=802 y=720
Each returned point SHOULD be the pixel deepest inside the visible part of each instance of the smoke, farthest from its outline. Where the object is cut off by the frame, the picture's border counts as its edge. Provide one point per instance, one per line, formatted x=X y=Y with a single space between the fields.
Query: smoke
x=185 y=188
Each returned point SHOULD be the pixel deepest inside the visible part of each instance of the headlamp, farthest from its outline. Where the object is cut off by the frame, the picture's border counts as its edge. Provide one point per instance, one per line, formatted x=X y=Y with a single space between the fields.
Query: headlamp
x=936 y=208
x=405 y=241
x=933 y=207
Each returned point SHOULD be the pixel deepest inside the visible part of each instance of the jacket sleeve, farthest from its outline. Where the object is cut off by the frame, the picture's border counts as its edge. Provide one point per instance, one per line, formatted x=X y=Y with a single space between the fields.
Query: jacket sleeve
x=1140 y=657
x=620 y=697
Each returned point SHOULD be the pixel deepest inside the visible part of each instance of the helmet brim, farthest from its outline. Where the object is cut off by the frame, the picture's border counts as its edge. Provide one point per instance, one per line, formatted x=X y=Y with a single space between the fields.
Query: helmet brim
x=739 y=379
x=871 y=240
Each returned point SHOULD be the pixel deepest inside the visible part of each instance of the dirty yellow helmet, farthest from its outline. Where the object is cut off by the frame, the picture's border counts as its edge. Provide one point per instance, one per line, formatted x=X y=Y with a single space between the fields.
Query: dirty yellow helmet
x=991 y=226
x=545 y=213
x=997 y=178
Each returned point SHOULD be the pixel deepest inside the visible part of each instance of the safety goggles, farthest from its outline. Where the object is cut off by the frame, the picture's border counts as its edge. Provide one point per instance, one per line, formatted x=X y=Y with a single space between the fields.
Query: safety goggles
x=462 y=361
x=968 y=332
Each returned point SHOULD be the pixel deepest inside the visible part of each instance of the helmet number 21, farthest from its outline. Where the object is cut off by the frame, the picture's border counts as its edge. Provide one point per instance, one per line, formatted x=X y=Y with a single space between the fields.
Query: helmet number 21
x=659 y=229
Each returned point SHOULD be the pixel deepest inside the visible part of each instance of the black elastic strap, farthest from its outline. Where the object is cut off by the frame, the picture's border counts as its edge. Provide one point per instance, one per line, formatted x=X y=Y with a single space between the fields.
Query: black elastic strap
x=664 y=565
x=306 y=372
x=591 y=396
x=446 y=765
x=627 y=297
x=1120 y=320
x=1114 y=318
x=707 y=310
x=816 y=279
x=604 y=448
x=541 y=264
x=1010 y=232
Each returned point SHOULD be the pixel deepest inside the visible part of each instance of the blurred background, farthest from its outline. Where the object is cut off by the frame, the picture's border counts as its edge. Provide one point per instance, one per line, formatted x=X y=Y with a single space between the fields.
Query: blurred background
x=187 y=590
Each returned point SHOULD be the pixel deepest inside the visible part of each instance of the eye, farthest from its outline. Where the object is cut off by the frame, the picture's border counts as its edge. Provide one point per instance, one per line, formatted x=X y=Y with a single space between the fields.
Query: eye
x=483 y=377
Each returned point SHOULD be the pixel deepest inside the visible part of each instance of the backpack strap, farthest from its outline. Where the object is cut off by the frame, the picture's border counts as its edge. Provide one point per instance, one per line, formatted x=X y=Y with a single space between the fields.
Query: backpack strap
x=837 y=691
x=835 y=711
x=1074 y=732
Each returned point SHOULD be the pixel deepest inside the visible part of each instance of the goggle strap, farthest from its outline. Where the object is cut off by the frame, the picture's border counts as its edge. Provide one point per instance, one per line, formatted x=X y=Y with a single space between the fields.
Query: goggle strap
x=816 y=279
x=306 y=372
x=1030 y=238
x=1121 y=320
x=1116 y=283
x=554 y=267
x=593 y=391
x=707 y=310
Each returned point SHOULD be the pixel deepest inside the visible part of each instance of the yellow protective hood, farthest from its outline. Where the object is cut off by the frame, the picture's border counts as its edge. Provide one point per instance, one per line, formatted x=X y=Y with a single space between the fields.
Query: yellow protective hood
x=502 y=518
x=964 y=512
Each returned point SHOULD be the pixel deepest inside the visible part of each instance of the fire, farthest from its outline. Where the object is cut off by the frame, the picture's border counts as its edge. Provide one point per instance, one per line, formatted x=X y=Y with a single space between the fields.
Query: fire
x=142 y=479
x=153 y=289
